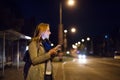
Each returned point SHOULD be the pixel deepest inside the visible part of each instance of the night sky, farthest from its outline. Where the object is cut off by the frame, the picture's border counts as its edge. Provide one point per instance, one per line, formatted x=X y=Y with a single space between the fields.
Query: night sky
x=90 y=17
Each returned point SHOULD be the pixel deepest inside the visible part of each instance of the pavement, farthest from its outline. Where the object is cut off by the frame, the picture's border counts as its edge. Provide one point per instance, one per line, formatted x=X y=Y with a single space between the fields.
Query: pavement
x=12 y=72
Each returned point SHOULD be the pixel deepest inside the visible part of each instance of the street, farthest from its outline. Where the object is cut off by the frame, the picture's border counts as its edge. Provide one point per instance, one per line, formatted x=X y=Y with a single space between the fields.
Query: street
x=75 y=69
x=93 y=69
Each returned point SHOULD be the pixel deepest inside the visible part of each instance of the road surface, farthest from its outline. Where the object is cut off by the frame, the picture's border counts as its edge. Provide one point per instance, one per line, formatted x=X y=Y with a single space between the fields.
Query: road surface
x=76 y=69
x=91 y=69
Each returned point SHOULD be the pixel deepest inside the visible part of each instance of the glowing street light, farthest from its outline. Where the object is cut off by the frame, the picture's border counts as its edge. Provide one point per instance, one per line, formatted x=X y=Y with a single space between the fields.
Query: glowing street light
x=73 y=30
x=82 y=40
x=88 y=39
x=74 y=46
x=65 y=40
x=60 y=29
x=79 y=42
x=65 y=31
x=71 y=2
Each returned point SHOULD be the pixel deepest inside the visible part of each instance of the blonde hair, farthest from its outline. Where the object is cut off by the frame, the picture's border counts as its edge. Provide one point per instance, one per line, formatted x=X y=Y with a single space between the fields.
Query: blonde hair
x=40 y=28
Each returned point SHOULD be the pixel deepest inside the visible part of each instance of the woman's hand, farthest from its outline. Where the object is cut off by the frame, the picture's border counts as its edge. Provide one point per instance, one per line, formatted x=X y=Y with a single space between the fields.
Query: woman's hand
x=54 y=50
x=58 y=47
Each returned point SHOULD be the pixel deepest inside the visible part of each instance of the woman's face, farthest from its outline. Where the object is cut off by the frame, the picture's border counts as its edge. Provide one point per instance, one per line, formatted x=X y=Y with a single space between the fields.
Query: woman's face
x=46 y=34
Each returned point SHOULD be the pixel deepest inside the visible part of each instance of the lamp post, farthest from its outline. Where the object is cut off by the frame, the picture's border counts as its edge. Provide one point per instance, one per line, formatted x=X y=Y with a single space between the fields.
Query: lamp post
x=72 y=30
x=60 y=29
x=90 y=45
x=65 y=40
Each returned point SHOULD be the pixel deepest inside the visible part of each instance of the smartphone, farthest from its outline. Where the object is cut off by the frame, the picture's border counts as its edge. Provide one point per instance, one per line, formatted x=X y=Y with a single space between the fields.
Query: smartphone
x=58 y=47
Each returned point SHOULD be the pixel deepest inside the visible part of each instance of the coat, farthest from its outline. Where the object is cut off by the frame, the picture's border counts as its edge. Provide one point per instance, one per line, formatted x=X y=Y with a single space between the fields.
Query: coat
x=38 y=58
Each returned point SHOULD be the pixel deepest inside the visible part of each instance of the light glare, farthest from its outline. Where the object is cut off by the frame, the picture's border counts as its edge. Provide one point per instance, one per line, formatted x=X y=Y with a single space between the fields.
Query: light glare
x=71 y=2
x=82 y=58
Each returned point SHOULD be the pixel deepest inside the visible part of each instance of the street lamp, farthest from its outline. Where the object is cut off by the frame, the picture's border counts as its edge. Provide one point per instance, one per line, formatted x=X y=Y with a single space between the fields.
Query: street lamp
x=89 y=45
x=72 y=30
x=82 y=40
x=60 y=29
x=65 y=40
x=71 y=2
x=88 y=39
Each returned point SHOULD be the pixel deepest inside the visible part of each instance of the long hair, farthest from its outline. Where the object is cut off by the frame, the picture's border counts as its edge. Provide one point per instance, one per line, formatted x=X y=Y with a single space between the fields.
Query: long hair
x=40 y=28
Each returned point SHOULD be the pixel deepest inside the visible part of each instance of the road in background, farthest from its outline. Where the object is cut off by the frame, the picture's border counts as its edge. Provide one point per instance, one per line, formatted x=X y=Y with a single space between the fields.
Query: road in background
x=91 y=69
x=76 y=69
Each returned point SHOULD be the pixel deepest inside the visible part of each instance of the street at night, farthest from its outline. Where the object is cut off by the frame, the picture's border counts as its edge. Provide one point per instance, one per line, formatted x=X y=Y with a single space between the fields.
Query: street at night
x=84 y=36
x=93 y=69
x=75 y=69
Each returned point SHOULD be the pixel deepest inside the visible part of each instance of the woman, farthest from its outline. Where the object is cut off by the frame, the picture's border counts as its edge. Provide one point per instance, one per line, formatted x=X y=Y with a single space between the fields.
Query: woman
x=41 y=54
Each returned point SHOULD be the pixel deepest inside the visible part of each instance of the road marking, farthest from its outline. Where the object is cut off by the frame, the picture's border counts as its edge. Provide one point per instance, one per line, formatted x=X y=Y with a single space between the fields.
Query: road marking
x=56 y=69
x=63 y=70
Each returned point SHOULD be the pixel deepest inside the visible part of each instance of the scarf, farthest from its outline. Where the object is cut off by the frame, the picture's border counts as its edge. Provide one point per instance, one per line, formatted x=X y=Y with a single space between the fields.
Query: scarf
x=47 y=46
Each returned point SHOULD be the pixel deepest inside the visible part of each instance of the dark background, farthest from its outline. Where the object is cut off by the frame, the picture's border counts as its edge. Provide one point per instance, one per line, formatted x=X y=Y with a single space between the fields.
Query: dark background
x=91 y=18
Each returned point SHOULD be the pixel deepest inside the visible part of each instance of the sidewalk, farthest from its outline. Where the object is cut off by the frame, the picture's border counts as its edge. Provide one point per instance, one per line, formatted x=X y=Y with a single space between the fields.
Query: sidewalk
x=12 y=73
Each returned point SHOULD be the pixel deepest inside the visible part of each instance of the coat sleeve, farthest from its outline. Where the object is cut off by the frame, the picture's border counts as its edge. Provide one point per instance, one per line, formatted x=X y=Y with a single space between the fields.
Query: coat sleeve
x=33 y=51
